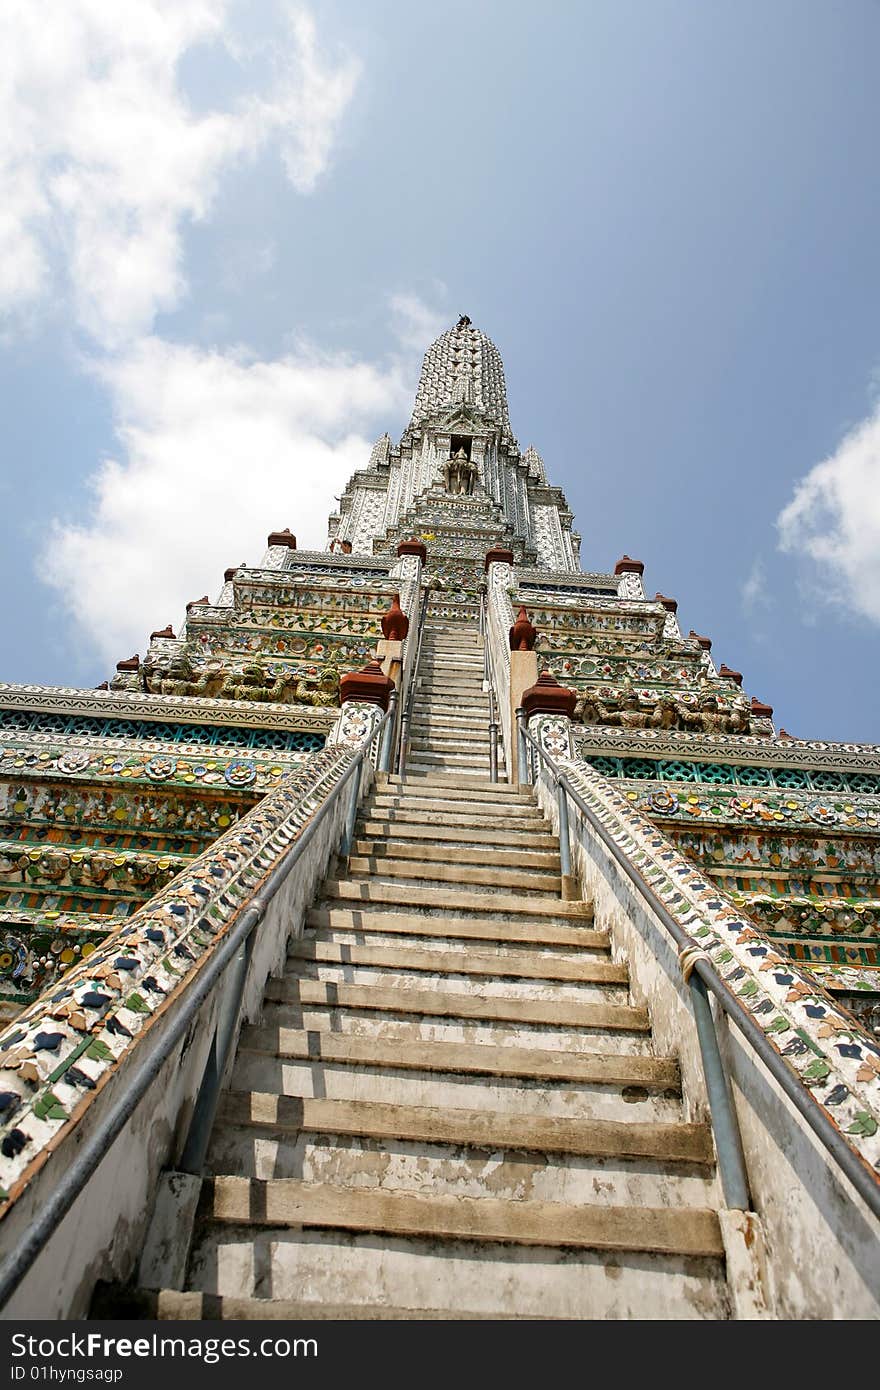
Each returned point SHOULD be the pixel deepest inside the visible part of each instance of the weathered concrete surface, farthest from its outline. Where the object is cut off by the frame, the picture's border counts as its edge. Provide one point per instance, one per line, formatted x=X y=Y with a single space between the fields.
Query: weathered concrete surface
x=452 y=1275
x=166 y=1250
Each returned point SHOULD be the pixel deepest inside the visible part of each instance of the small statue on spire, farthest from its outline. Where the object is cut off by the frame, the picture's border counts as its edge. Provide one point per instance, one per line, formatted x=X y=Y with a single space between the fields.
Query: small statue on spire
x=463 y=322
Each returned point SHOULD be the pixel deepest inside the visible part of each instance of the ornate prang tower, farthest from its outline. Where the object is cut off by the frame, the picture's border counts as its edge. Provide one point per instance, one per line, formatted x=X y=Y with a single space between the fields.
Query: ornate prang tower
x=109 y=793
x=287 y=969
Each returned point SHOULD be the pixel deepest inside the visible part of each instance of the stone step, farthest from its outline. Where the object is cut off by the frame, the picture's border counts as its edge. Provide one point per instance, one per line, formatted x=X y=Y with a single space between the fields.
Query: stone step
x=486 y=823
x=454 y=730
x=287 y=1202
x=460 y=741
x=455 y=948
x=460 y=1169
x=263 y=1064
x=380 y=847
x=487 y=1061
x=452 y=1275
x=679 y=1142
x=455 y=900
x=437 y=676
x=438 y=722
x=456 y=836
x=427 y=871
x=400 y=1025
x=477 y=772
x=433 y=683
x=444 y=784
x=117 y=1302
x=422 y=757
x=453 y=642
x=434 y=690
x=439 y=698
x=462 y=658
x=518 y=965
x=535 y=934
x=408 y=980
x=453 y=702
x=474 y=810
x=446 y=980
x=452 y=658
x=445 y=1003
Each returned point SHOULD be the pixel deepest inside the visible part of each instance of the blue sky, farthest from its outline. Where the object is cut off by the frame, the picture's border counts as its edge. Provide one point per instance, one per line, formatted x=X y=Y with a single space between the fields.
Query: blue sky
x=230 y=229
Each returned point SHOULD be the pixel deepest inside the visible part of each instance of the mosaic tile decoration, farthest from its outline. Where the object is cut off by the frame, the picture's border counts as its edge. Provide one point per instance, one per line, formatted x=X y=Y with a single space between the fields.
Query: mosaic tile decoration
x=63 y=1048
x=93 y=726
x=836 y=1060
x=720 y=774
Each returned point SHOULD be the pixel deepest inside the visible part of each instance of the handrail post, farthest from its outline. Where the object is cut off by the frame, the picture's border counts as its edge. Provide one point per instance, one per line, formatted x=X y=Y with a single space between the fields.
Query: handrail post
x=388 y=735
x=564 y=840
x=403 y=751
x=523 y=759
x=353 y=803
x=406 y=717
x=192 y=1160
x=728 y=1144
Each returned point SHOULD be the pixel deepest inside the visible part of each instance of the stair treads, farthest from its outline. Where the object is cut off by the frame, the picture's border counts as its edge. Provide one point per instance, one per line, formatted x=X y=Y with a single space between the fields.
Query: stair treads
x=443 y=787
x=445 y=784
x=368 y=891
x=665 y=1142
x=435 y=1003
x=461 y=805
x=290 y=1202
x=466 y=1059
x=161 y=1305
x=431 y=852
x=427 y=830
x=468 y=797
x=463 y=825
x=466 y=928
x=386 y=866
x=521 y=965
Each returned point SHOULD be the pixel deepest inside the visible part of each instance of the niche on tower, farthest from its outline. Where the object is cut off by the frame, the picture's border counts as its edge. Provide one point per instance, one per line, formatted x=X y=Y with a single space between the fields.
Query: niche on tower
x=459 y=473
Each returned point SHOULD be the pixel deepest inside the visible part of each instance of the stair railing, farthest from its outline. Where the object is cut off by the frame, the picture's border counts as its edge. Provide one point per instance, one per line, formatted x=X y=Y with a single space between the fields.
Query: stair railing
x=489 y=683
x=703 y=979
x=234 y=952
x=406 y=718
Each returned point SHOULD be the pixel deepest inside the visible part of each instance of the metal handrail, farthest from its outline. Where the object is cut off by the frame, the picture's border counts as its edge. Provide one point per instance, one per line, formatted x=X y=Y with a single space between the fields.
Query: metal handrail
x=489 y=678
x=95 y=1147
x=406 y=717
x=703 y=978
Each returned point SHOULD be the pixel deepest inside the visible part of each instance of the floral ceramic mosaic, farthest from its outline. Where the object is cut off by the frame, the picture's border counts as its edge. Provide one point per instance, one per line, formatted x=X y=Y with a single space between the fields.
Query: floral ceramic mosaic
x=64 y=1046
x=837 y=1061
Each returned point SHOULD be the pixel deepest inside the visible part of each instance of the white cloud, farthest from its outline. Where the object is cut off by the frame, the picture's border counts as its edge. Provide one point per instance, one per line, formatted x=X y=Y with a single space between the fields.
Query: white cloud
x=753 y=590
x=414 y=322
x=103 y=160
x=215 y=451
x=308 y=102
x=833 y=522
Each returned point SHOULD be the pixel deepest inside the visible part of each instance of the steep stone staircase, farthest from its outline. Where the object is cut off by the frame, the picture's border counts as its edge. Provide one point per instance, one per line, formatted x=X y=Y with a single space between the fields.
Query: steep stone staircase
x=450 y=723
x=451 y=1106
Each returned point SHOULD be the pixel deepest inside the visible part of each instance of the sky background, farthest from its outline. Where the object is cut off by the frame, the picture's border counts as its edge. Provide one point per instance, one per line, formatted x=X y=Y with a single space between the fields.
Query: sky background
x=229 y=230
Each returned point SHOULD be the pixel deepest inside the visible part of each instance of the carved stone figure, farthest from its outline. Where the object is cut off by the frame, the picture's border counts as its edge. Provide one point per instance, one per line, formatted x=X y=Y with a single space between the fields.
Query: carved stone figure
x=459 y=474
x=178 y=676
x=321 y=690
x=666 y=712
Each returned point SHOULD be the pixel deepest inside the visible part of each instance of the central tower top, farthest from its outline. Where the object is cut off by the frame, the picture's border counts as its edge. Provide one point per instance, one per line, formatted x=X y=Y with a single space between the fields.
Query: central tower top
x=457 y=477
x=463 y=367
